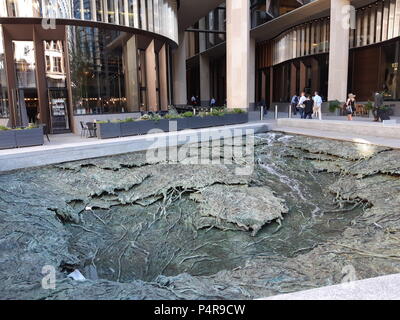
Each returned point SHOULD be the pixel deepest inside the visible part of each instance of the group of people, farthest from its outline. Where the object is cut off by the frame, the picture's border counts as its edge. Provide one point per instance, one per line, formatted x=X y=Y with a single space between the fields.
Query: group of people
x=351 y=106
x=307 y=106
x=195 y=101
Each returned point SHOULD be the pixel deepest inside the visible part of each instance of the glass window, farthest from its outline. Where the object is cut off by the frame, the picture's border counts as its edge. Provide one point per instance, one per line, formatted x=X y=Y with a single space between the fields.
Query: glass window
x=97 y=74
x=99 y=10
x=17 y=8
x=3 y=81
x=121 y=12
x=111 y=11
x=389 y=70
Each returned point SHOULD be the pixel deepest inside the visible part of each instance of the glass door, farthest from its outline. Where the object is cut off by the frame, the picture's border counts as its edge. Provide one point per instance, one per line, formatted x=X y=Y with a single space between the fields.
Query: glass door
x=26 y=89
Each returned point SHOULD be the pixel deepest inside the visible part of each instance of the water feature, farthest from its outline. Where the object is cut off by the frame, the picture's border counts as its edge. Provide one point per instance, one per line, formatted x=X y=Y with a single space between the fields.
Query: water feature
x=122 y=219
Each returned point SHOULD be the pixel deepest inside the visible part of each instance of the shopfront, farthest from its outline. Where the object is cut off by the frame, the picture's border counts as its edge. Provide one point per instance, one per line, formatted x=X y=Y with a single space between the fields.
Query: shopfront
x=83 y=59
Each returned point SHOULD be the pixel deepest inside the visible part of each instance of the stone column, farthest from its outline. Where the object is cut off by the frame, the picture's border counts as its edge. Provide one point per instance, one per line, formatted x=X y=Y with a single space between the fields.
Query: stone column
x=252 y=74
x=339 y=51
x=315 y=82
x=293 y=80
x=204 y=80
x=202 y=35
x=238 y=53
x=179 y=72
x=151 y=78
x=303 y=75
x=131 y=77
x=162 y=62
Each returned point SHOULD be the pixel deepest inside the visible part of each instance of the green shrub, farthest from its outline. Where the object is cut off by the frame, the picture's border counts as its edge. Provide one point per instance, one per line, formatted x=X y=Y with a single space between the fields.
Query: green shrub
x=384 y=108
x=155 y=117
x=3 y=128
x=369 y=105
x=217 y=113
x=172 y=116
x=333 y=105
x=187 y=114
x=238 y=110
x=129 y=120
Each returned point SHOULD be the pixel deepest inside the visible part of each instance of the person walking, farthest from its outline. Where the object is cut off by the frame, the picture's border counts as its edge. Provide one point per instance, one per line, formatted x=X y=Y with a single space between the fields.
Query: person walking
x=317 y=110
x=350 y=106
x=294 y=103
x=377 y=104
x=308 y=107
x=301 y=105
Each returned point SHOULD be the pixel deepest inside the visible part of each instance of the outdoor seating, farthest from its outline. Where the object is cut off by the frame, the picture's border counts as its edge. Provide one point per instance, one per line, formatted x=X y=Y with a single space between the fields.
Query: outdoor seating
x=92 y=129
x=84 y=129
x=45 y=131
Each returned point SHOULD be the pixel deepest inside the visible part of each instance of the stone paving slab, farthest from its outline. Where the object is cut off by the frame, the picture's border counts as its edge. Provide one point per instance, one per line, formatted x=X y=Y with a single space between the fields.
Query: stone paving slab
x=358 y=138
x=381 y=288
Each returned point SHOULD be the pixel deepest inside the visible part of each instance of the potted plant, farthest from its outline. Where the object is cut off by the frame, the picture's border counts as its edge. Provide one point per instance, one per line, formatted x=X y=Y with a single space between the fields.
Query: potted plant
x=30 y=136
x=335 y=106
x=369 y=106
x=384 y=112
x=108 y=129
x=7 y=138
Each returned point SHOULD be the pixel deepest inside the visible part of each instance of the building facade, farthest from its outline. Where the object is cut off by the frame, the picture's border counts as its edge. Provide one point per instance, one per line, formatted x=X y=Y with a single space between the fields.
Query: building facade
x=67 y=61
x=331 y=46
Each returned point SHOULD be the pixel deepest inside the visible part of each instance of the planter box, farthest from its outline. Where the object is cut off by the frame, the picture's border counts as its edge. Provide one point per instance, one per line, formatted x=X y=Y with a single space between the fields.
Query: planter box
x=29 y=137
x=108 y=130
x=162 y=125
x=197 y=122
x=236 y=118
x=136 y=128
x=180 y=124
x=7 y=139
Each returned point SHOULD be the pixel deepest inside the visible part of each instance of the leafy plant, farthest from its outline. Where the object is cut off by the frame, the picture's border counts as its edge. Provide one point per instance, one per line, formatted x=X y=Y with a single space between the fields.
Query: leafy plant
x=145 y=117
x=172 y=116
x=369 y=105
x=238 y=110
x=3 y=128
x=187 y=114
x=217 y=113
x=129 y=120
x=333 y=105
x=155 y=117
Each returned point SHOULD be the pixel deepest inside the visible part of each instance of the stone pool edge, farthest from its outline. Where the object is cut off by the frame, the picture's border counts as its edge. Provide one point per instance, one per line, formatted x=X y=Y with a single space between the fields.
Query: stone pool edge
x=38 y=157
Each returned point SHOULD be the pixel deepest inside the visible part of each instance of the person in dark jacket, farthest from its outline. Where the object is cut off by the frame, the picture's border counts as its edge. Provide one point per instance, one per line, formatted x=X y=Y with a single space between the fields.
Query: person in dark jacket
x=378 y=104
x=308 y=109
